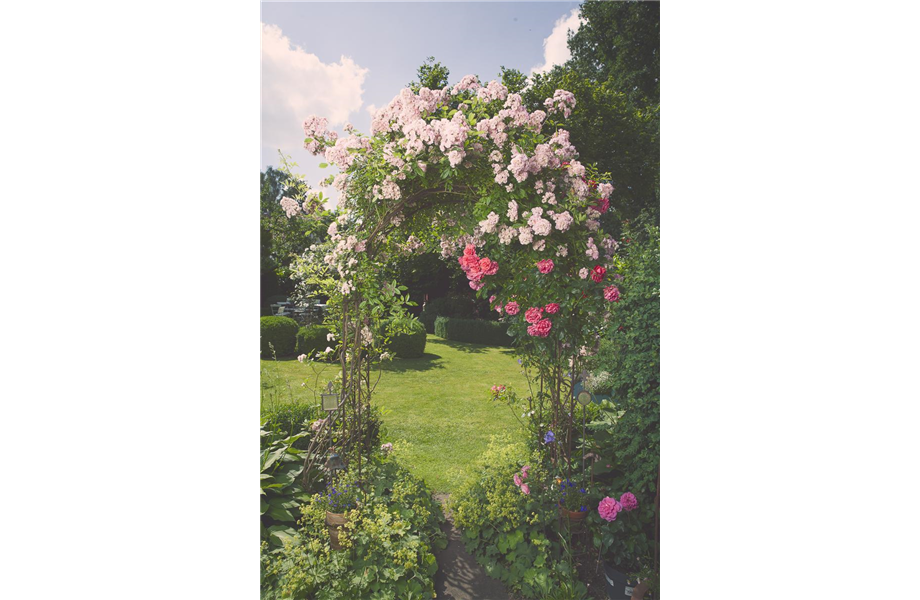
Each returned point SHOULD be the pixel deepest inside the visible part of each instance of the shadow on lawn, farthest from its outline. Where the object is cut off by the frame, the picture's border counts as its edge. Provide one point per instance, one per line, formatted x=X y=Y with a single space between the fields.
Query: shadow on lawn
x=426 y=362
x=471 y=348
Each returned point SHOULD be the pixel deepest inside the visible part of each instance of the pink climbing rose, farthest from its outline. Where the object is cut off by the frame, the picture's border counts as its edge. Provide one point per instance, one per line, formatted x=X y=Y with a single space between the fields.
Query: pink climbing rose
x=545 y=266
x=533 y=315
x=517 y=480
x=512 y=308
x=628 y=501
x=525 y=489
x=540 y=328
x=552 y=308
x=611 y=294
x=608 y=509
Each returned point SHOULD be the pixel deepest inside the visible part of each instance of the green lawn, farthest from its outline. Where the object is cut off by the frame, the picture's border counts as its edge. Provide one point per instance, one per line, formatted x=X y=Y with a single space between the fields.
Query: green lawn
x=438 y=403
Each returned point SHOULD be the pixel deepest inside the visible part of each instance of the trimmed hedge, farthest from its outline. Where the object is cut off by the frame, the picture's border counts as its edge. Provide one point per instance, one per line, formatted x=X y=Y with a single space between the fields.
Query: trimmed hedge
x=280 y=332
x=476 y=331
x=312 y=339
x=450 y=306
x=409 y=344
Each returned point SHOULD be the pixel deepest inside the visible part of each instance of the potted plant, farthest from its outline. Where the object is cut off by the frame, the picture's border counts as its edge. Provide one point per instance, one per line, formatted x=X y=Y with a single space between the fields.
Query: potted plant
x=573 y=500
x=622 y=543
x=338 y=500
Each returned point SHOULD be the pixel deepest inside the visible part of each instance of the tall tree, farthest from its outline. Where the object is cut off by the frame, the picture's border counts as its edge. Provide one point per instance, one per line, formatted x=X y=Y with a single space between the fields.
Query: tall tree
x=431 y=74
x=619 y=43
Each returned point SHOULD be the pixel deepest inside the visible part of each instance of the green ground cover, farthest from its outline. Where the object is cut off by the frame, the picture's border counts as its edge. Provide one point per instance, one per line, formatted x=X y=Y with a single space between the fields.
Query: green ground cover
x=438 y=404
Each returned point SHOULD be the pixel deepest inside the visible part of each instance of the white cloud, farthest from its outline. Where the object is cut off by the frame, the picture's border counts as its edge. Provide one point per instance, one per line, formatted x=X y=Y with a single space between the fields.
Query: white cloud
x=555 y=47
x=297 y=84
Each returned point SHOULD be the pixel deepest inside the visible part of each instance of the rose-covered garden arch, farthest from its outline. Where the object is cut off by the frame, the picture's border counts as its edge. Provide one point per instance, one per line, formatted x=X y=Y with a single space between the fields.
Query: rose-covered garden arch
x=469 y=170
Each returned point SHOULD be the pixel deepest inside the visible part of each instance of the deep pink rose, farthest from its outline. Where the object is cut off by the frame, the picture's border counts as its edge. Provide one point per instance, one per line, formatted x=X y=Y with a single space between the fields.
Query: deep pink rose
x=517 y=480
x=485 y=264
x=552 y=308
x=545 y=266
x=628 y=501
x=470 y=250
x=512 y=308
x=533 y=315
x=608 y=509
x=540 y=328
x=597 y=273
x=493 y=267
x=611 y=294
x=602 y=205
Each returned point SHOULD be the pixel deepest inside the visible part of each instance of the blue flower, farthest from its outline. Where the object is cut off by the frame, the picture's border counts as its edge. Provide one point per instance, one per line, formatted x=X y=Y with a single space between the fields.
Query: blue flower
x=549 y=438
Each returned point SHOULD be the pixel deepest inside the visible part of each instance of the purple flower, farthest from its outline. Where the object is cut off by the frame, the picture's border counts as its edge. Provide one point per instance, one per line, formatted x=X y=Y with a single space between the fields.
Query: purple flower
x=549 y=438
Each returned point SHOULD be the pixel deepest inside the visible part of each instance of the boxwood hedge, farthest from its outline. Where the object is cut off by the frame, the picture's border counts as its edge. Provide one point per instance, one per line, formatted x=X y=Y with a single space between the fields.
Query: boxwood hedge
x=477 y=331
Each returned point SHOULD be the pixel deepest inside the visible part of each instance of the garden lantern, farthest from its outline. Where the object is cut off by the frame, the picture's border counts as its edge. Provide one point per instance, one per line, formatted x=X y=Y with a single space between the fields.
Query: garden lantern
x=330 y=399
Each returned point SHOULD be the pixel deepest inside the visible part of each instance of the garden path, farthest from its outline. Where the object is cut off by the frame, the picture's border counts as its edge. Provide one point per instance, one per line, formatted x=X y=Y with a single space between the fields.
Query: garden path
x=459 y=576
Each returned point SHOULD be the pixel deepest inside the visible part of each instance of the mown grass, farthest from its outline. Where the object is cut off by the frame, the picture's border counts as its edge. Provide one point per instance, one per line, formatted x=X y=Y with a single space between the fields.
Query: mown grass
x=438 y=404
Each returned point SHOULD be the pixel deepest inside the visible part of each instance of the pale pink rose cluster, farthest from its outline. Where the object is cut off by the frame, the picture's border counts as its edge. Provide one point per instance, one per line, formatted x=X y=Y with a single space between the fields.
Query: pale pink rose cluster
x=562 y=100
x=592 y=252
x=610 y=246
x=495 y=90
x=469 y=82
x=540 y=225
x=315 y=128
x=291 y=207
x=488 y=225
x=525 y=235
x=340 y=154
x=562 y=220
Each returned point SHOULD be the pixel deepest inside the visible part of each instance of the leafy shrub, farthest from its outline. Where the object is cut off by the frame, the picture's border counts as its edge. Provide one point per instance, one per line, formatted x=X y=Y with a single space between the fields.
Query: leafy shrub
x=476 y=331
x=630 y=353
x=312 y=339
x=504 y=528
x=281 y=465
x=283 y=420
x=280 y=333
x=407 y=338
x=388 y=545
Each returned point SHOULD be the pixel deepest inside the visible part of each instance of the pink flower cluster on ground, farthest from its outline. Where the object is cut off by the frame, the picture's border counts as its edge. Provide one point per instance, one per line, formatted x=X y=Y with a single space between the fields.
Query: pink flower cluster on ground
x=608 y=508
x=475 y=267
x=497 y=389
x=519 y=480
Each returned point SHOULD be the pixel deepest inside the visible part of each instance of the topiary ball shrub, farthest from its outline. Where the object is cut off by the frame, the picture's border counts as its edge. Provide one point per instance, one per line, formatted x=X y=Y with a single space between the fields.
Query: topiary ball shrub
x=410 y=341
x=281 y=333
x=407 y=337
x=312 y=339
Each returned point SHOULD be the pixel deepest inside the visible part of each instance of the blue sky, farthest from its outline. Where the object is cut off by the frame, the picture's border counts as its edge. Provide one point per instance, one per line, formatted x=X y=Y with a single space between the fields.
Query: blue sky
x=339 y=59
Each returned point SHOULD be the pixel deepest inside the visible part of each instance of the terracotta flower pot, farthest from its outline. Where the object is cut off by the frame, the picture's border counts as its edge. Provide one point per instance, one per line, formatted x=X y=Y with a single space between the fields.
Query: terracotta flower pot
x=572 y=515
x=334 y=523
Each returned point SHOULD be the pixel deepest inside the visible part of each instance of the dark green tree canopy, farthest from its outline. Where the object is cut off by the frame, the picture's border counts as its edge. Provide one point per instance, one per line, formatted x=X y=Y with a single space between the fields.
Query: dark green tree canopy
x=619 y=43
